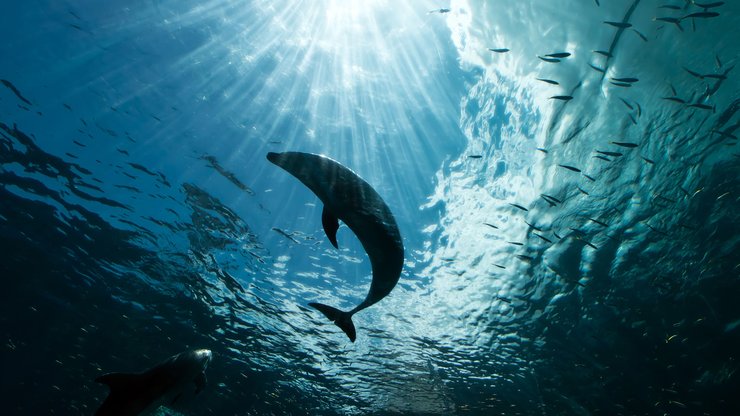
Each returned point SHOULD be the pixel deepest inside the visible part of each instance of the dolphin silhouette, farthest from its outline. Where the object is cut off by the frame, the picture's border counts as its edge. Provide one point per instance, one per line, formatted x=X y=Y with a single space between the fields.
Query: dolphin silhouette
x=139 y=394
x=349 y=198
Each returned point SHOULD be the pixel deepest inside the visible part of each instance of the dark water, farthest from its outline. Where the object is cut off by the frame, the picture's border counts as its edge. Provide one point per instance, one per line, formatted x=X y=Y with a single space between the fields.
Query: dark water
x=139 y=216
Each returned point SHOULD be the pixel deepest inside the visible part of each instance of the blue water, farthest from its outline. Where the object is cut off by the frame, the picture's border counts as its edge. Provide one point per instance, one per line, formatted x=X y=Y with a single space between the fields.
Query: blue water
x=139 y=216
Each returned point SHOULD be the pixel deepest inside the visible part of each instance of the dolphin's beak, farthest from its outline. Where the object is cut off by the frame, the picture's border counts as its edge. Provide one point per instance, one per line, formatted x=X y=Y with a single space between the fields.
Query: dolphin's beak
x=203 y=356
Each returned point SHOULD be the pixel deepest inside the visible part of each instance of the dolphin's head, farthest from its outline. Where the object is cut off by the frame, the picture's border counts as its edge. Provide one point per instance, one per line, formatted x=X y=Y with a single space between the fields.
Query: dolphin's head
x=201 y=356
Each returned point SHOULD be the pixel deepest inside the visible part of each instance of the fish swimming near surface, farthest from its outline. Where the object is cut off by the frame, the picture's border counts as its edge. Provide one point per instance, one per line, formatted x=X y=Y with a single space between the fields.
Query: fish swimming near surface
x=574 y=169
x=499 y=50
x=620 y=25
x=561 y=97
x=550 y=60
x=349 y=198
x=134 y=394
x=558 y=55
x=549 y=81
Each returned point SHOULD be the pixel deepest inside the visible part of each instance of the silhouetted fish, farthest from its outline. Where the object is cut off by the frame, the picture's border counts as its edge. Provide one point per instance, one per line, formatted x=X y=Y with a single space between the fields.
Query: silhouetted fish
x=491 y=225
x=518 y=206
x=602 y=158
x=558 y=55
x=601 y=223
x=574 y=169
x=602 y=70
x=621 y=84
x=625 y=144
x=630 y=80
x=589 y=178
x=701 y=15
x=621 y=25
x=643 y=37
x=605 y=53
x=543 y=238
x=549 y=81
x=475 y=156
x=550 y=60
x=607 y=153
x=561 y=97
x=499 y=50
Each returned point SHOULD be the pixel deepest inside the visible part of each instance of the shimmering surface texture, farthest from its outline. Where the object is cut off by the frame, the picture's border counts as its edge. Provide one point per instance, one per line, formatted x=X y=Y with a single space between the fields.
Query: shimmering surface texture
x=139 y=216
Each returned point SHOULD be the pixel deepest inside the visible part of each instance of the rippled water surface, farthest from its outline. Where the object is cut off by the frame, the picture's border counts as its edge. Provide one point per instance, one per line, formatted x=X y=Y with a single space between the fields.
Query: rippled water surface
x=565 y=176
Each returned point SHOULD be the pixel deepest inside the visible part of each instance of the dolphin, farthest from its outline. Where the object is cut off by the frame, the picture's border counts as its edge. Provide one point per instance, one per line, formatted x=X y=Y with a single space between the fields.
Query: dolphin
x=142 y=393
x=349 y=198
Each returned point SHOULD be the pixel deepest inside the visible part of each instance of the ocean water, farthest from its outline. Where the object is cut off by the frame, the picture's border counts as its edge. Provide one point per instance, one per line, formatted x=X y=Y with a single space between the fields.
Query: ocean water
x=548 y=270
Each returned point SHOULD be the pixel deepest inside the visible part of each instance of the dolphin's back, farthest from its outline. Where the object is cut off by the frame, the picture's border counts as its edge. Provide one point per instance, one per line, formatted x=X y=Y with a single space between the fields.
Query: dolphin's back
x=351 y=199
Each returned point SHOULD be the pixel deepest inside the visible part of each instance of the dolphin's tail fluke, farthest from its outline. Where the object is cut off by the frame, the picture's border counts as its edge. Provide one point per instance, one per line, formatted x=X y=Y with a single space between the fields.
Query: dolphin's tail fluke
x=340 y=318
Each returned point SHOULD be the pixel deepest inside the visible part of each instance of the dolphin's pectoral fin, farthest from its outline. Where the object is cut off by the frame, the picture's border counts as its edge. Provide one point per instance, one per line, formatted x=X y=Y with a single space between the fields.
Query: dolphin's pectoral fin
x=331 y=225
x=340 y=318
x=200 y=382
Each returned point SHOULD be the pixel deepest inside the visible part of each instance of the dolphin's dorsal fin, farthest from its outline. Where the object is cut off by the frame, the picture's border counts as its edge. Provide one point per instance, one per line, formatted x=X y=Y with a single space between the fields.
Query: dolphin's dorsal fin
x=331 y=225
x=200 y=382
x=117 y=381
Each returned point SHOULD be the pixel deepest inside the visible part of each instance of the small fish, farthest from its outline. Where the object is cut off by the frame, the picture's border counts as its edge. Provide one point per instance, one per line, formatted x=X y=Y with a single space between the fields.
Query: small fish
x=673 y=20
x=675 y=99
x=440 y=11
x=552 y=198
x=491 y=225
x=503 y=299
x=601 y=223
x=612 y=154
x=602 y=70
x=574 y=169
x=285 y=234
x=516 y=243
x=650 y=161
x=589 y=177
x=524 y=258
x=621 y=84
x=620 y=25
x=605 y=53
x=518 y=206
x=15 y=90
x=632 y=118
x=558 y=55
x=557 y=236
x=543 y=238
x=717 y=61
x=722 y=196
x=625 y=144
x=639 y=109
x=671 y=7
x=550 y=60
x=604 y=158
x=475 y=156
x=549 y=81
x=499 y=266
x=656 y=230
x=715 y=76
x=702 y=106
x=561 y=97
x=542 y=150
x=701 y=15
x=627 y=104
x=582 y=191
x=535 y=227
x=709 y=5
x=590 y=245
x=499 y=50
x=643 y=37
x=628 y=79
x=696 y=74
